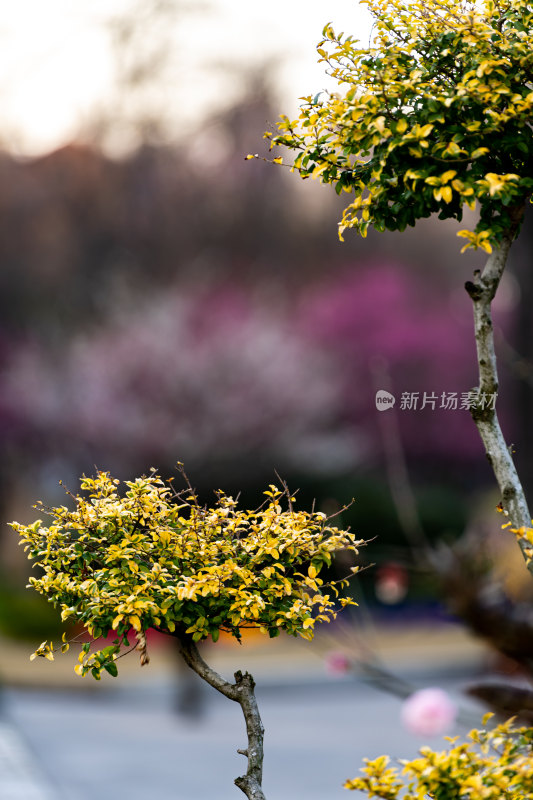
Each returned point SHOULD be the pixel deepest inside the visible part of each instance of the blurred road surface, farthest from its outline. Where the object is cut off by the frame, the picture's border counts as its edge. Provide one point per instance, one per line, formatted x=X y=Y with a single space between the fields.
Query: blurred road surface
x=132 y=744
x=66 y=738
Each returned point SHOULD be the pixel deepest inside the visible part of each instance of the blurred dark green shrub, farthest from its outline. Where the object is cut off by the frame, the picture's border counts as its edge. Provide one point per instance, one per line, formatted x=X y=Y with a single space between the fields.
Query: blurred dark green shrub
x=26 y=617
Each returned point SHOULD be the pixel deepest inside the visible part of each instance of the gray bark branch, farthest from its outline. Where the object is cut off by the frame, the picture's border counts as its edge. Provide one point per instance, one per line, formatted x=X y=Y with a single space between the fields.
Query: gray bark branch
x=482 y=291
x=242 y=692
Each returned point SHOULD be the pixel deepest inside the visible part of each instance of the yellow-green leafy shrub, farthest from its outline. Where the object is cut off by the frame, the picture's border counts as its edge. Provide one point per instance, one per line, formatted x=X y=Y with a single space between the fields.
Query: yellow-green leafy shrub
x=494 y=764
x=434 y=114
x=151 y=558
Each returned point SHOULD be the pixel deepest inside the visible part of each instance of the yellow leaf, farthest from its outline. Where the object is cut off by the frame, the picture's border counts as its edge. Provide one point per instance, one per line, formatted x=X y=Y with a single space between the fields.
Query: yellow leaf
x=424 y=131
x=497 y=182
x=453 y=149
x=318 y=170
x=448 y=175
x=135 y=622
x=447 y=194
x=401 y=126
x=379 y=124
x=278 y=160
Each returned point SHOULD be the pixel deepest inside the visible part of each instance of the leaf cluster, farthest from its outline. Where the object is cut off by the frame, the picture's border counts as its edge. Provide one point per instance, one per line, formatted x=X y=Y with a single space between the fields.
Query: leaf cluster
x=153 y=558
x=433 y=115
x=493 y=765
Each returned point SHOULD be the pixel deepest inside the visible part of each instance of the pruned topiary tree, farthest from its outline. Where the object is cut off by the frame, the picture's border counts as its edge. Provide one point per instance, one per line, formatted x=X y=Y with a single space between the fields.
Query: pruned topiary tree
x=435 y=114
x=122 y=562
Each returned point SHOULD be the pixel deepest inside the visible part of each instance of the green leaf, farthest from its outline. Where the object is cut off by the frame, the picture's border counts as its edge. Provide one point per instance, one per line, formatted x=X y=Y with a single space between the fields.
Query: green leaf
x=112 y=668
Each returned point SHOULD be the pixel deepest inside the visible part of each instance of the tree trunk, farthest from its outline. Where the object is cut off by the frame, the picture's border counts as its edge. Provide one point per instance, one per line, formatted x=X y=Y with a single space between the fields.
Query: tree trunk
x=242 y=692
x=482 y=291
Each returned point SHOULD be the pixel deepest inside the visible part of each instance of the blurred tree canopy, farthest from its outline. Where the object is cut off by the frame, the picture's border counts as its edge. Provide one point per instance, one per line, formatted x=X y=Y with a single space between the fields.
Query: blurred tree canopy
x=177 y=304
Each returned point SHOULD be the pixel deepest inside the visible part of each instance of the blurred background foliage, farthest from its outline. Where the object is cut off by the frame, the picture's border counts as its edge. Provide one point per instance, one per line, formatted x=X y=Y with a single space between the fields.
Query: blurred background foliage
x=176 y=302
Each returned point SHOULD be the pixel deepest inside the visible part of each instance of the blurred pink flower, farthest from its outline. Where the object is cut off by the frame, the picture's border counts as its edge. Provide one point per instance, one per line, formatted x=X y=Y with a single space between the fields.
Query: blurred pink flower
x=337 y=663
x=429 y=712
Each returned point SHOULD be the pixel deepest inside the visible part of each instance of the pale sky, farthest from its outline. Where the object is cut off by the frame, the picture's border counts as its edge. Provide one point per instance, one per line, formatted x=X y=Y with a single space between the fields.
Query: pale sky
x=56 y=59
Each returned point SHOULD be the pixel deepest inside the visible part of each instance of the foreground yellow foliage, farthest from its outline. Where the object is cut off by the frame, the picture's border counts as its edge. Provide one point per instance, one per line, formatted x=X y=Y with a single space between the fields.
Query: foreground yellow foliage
x=151 y=558
x=493 y=765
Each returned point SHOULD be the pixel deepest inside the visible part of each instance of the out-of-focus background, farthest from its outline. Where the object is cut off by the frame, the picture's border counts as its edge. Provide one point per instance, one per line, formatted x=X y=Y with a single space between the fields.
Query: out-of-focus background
x=163 y=299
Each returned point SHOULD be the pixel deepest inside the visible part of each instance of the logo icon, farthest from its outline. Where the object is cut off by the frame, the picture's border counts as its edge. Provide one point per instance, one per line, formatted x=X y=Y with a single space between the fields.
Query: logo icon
x=384 y=400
